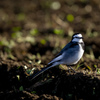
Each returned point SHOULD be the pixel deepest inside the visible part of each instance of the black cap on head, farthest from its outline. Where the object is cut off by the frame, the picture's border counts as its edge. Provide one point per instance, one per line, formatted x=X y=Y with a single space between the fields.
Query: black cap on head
x=77 y=35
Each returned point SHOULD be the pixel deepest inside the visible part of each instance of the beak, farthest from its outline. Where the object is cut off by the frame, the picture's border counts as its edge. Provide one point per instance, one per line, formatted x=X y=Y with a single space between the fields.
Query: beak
x=81 y=37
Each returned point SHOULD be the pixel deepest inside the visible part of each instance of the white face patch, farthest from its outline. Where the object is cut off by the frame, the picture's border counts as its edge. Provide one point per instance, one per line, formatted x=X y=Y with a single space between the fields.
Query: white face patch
x=77 y=35
x=77 y=38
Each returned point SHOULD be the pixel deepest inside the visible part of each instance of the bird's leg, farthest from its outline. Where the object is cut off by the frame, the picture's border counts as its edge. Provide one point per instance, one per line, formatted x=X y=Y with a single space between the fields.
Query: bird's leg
x=72 y=69
x=69 y=69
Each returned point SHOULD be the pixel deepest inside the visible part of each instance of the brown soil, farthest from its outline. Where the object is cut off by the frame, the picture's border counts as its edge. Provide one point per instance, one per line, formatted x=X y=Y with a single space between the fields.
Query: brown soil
x=20 y=51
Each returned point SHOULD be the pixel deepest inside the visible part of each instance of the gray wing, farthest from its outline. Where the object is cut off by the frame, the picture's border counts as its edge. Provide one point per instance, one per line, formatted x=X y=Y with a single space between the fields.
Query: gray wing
x=64 y=49
x=59 y=55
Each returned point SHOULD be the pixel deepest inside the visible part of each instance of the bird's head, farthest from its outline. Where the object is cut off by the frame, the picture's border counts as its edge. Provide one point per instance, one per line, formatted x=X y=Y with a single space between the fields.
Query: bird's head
x=77 y=37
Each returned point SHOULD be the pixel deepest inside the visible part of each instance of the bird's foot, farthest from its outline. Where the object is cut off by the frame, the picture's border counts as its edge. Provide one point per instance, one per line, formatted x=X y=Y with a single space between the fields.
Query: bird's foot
x=71 y=69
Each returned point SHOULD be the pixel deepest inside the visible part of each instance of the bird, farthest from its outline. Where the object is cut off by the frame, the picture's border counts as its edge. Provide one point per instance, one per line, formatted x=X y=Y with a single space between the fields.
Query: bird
x=69 y=55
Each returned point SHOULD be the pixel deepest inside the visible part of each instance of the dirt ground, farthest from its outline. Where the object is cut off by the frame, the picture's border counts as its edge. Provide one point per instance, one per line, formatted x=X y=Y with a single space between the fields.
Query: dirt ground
x=32 y=32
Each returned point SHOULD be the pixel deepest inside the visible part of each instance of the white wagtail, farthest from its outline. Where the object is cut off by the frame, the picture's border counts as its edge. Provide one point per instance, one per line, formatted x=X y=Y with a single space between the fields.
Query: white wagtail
x=69 y=55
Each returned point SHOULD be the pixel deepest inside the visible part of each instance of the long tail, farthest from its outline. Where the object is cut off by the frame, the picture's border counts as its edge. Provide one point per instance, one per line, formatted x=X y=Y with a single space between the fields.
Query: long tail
x=44 y=69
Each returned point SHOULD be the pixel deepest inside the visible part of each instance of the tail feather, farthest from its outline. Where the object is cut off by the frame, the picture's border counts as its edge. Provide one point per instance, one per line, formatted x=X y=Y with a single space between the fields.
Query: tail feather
x=41 y=71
